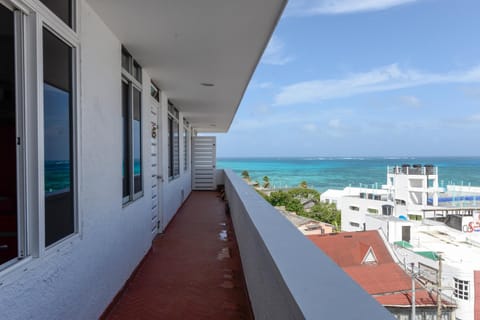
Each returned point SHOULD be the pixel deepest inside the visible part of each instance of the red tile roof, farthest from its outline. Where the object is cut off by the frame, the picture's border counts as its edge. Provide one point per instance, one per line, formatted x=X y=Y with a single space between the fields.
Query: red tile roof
x=349 y=248
x=383 y=279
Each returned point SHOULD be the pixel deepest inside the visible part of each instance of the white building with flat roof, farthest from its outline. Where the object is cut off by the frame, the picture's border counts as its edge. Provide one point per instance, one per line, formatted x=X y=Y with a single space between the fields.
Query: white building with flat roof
x=460 y=254
x=405 y=210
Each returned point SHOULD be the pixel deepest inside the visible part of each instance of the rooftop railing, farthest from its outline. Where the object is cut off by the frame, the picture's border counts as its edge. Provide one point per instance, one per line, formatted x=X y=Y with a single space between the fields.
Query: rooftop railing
x=416 y=169
x=287 y=276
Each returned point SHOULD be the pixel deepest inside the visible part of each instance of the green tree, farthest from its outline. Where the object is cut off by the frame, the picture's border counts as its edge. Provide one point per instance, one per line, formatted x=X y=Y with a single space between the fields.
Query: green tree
x=278 y=198
x=326 y=212
x=305 y=194
x=294 y=205
x=245 y=175
x=282 y=198
x=266 y=182
x=303 y=184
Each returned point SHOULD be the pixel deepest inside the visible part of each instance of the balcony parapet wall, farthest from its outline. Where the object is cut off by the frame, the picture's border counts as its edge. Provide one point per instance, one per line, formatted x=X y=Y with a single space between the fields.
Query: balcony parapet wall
x=287 y=276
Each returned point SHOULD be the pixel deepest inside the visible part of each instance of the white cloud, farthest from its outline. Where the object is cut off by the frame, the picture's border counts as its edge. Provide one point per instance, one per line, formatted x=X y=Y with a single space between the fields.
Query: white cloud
x=411 y=101
x=310 y=127
x=334 y=124
x=474 y=117
x=275 y=53
x=265 y=85
x=259 y=110
x=391 y=77
x=320 y=7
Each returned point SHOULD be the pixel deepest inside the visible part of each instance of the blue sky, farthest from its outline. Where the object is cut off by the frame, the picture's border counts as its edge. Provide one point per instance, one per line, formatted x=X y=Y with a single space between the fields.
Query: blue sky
x=365 y=78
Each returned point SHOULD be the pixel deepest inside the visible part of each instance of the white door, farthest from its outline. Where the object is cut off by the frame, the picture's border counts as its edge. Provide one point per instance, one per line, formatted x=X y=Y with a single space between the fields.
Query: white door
x=204 y=163
x=157 y=178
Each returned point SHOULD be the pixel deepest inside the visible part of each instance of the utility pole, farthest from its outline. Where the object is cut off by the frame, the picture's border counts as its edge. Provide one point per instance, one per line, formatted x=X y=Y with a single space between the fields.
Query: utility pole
x=439 y=287
x=414 y=313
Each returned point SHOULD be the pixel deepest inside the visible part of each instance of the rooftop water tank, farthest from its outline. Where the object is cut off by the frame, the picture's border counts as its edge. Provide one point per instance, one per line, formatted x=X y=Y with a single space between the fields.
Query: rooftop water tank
x=429 y=169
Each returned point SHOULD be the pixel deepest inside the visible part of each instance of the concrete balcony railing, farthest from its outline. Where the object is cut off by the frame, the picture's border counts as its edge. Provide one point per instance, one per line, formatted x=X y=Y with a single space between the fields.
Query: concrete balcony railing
x=287 y=276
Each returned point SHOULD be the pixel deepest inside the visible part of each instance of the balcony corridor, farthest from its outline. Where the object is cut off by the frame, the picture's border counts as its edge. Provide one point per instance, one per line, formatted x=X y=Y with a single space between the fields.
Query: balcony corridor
x=193 y=270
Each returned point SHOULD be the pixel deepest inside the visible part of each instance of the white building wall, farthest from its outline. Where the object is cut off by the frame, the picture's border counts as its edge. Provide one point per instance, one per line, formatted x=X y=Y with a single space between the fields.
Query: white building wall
x=91 y=267
x=465 y=308
x=391 y=228
x=349 y=215
x=175 y=191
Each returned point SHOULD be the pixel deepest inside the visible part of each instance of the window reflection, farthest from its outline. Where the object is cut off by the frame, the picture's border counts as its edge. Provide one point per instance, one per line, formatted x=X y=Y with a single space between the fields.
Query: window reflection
x=137 y=141
x=57 y=113
x=57 y=140
x=125 y=149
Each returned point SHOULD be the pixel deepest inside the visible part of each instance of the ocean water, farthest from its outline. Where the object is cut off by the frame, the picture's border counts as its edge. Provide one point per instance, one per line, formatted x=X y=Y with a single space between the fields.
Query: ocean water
x=57 y=174
x=338 y=173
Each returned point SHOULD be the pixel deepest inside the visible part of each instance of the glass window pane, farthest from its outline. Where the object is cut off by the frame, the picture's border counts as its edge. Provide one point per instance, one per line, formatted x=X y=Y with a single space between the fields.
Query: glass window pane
x=126 y=60
x=170 y=146
x=8 y=161
x=137 y=71
x=137 y=141
x=61 y=8
x=176 y=149
x=185 y=153
x=154 y=92
x=125 y=144
x=57 y=104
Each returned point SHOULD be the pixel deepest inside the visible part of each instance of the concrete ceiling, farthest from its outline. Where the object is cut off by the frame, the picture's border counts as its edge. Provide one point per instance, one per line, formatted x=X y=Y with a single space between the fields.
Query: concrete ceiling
x=184 y=43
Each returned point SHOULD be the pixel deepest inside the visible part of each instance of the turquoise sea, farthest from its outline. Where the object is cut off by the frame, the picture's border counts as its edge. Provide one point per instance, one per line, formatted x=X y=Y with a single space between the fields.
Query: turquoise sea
x=338 y=173
x=57 y=174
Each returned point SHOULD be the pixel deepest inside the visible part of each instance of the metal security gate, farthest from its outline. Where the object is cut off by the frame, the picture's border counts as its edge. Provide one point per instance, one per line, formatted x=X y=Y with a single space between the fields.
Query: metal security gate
x=204 y=163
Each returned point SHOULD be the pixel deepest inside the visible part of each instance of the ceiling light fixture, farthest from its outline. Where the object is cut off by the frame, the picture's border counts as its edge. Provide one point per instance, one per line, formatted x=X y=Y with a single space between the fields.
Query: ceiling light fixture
x=207 y=84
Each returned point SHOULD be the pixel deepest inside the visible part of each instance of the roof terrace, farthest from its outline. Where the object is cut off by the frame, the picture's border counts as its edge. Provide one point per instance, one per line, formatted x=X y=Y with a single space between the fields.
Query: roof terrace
x=198 y=267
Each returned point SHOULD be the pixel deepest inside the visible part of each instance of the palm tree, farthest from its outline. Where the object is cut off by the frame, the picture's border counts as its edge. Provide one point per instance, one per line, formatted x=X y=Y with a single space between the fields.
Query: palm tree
x=266 y=182
x=245 y=175
x=303 y=184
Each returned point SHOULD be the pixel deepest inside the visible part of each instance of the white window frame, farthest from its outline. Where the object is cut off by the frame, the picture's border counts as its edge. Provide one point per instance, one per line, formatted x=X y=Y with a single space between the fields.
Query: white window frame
x=186 y=145
x=173 y=114
x=61 y=30
x=31 y=19
x=133 y=83
x=154 y=92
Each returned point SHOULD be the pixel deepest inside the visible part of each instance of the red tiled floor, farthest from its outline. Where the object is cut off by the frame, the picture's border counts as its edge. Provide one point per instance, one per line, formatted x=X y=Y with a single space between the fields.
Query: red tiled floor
x=193 y=270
